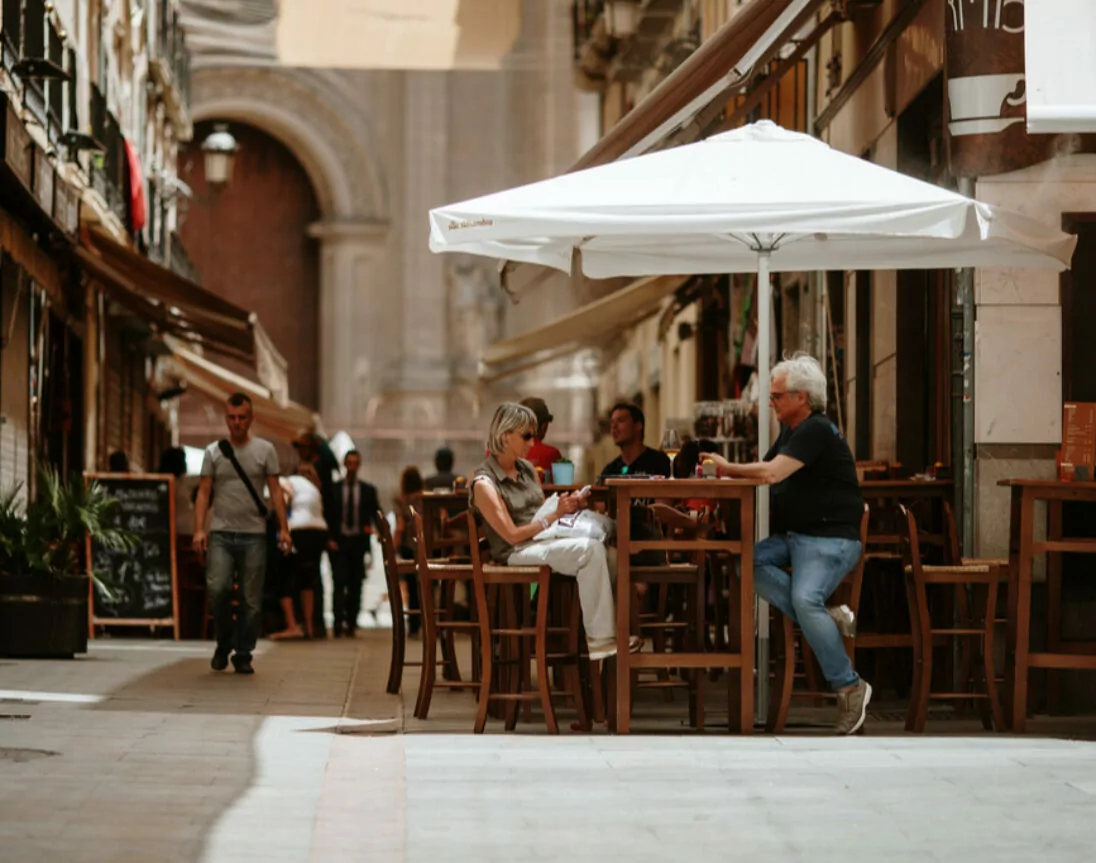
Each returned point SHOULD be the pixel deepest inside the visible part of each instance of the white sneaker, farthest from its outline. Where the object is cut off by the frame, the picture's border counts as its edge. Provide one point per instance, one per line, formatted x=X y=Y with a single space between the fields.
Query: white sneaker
x=844 y=618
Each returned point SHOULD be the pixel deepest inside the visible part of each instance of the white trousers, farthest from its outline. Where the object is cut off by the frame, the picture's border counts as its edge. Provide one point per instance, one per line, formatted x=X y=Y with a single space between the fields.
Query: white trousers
x=587 y=560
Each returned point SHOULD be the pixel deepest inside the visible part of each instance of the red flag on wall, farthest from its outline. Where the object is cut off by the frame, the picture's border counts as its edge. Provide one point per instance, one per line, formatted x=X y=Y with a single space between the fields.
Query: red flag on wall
x=138 y=208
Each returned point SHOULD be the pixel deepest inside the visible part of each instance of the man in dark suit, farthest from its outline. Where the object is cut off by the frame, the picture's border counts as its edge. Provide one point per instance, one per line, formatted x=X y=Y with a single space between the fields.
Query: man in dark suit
x=351 y=518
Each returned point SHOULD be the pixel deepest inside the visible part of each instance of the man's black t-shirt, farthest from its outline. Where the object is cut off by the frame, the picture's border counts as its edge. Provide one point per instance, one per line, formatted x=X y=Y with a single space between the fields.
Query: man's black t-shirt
x=652 y=462
x=822 y=498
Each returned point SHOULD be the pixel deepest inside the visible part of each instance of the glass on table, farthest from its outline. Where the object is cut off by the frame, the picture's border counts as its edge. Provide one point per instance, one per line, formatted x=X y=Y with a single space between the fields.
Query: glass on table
x=671 y=445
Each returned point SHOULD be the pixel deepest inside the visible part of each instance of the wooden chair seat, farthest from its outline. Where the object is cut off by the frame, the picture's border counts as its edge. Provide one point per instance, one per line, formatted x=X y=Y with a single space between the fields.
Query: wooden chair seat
x=1001 y=562
x=504 y=574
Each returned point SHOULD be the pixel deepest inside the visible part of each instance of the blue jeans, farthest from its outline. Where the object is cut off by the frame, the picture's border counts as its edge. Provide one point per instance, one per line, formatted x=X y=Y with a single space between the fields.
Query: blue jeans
x=818 y=564
x=236 y=558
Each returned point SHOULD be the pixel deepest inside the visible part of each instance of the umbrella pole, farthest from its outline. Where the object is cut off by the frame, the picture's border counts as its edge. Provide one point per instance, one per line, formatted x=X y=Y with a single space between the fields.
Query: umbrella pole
x=764 y=347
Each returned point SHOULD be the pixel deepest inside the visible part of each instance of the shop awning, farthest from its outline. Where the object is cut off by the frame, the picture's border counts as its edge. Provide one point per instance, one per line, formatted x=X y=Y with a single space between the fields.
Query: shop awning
x=176 y=305
x=1060 y=65
x=592 y=324
x=218 y=383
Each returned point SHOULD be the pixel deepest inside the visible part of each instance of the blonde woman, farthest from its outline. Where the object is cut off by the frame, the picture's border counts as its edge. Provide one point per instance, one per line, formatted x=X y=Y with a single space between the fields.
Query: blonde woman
x=309 y=532
x=507 y=494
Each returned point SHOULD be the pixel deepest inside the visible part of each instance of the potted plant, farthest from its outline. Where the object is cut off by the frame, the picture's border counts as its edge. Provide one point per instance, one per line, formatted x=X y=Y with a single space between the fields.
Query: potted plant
x=43 y=589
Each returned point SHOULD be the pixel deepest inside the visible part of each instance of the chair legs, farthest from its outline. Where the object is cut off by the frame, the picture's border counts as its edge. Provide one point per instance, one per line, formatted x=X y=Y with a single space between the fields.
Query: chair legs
x=981 y=660
x=399 y=643
x=781 y=700
x=514 y=641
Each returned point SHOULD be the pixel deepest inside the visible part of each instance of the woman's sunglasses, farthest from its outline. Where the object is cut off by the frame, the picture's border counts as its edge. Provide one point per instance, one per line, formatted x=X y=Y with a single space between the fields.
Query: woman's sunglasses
x=526 y=436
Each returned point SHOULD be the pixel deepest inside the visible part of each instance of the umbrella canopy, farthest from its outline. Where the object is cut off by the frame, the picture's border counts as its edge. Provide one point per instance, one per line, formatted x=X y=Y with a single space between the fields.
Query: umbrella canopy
x=759 y=198
x=711 y=207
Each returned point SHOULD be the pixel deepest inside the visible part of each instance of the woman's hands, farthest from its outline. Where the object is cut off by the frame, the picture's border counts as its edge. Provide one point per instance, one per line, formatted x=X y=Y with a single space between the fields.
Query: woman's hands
x=569 y=503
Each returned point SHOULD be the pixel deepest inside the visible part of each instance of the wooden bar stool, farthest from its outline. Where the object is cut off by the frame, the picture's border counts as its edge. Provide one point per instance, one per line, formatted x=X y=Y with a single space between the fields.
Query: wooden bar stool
x=393 y=569
x=847 y=593
x=436 y=627
x=679 y=621
x=980 y=629
x=502 y=595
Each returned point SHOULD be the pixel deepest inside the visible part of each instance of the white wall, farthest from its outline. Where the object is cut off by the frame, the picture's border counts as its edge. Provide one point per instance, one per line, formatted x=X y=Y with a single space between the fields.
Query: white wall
x=1018 y=345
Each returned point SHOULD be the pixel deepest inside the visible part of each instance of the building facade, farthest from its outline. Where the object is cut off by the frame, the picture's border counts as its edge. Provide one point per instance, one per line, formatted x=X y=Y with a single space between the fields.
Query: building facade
x=392 y=356
x=95 y=105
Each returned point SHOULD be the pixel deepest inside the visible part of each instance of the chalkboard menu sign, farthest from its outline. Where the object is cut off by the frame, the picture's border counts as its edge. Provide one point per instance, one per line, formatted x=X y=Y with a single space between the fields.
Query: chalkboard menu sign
x=143 y=580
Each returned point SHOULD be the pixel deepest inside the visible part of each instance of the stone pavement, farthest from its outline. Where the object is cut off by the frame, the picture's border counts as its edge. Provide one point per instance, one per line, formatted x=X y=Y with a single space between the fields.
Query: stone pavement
x=138 y=752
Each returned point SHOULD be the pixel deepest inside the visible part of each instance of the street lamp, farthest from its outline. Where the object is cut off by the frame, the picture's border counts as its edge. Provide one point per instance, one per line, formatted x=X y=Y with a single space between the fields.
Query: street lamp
x=623 y=17
x=219 y=150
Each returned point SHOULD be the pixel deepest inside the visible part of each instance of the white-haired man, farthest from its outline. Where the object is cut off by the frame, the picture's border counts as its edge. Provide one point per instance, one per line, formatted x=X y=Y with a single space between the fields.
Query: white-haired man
x=816 y=513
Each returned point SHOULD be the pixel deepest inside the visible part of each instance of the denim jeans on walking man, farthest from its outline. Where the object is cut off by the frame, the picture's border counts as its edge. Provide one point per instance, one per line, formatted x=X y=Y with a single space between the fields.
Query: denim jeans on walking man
x=818 y=564
x=236 y=558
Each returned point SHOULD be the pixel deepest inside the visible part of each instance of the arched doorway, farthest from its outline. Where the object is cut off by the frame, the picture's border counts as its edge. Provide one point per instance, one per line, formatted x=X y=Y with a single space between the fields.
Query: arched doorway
x=250 y=244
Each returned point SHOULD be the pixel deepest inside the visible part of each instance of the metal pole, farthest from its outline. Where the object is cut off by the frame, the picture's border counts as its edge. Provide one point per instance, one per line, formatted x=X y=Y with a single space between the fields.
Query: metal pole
x=966 y=297
x=764 y=347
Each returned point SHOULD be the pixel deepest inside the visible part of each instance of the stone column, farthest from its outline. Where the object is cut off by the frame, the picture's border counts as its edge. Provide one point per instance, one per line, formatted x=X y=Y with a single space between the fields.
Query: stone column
x=355 y=303
x=424 y=372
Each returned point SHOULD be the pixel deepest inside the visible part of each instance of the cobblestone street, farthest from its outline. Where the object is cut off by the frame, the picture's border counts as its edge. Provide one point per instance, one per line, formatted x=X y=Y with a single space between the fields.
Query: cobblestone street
x=139 y=752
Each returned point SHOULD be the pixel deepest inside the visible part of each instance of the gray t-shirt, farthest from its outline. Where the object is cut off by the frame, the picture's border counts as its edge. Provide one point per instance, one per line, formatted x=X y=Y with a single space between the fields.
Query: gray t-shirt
x=233 y=507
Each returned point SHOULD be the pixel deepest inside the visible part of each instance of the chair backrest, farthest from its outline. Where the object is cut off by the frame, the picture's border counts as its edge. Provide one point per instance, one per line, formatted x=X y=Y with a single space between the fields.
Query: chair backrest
x=854 y=582
x=477 y=540
x=420 y=546
x=391 y=567
x=908 y=536
x=673 y=522
x=952 y=555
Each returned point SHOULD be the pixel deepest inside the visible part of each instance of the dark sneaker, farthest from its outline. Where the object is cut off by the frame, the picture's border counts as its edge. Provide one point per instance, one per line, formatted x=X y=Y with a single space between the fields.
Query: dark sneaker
x=219 y=662
x=852 y=708
x=242 y=664
x=844 y=618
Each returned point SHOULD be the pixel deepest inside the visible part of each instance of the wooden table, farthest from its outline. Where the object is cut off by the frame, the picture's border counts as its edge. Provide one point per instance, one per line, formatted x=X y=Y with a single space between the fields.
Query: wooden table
x=741 y=707
x=905 y=491
x=1022 y=551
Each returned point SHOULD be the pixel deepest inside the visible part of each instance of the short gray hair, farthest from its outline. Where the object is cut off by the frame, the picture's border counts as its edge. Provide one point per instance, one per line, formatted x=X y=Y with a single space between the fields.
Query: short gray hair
x=509 y=417
x=803 y=374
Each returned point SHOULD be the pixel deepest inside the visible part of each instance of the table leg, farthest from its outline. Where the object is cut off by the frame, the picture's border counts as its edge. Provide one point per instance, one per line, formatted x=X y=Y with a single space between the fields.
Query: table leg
x=745 y=718
x=1054 y=605
x=1023 y=612
x=624 y=600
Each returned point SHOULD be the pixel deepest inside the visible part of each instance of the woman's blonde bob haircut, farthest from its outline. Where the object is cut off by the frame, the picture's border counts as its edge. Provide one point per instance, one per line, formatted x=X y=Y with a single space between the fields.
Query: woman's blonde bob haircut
x=509 y=417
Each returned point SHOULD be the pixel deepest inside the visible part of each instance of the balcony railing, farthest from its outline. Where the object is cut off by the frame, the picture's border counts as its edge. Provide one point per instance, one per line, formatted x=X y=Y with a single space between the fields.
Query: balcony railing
x=173 y=53
x=108 y=169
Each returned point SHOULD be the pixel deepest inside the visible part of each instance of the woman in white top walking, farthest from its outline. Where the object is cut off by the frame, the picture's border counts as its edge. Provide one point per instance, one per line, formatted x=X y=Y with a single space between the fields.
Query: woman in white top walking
x=309 y=532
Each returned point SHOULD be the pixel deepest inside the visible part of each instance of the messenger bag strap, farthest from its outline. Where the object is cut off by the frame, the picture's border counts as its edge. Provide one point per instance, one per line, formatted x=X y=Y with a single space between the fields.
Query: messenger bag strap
x=228 y=452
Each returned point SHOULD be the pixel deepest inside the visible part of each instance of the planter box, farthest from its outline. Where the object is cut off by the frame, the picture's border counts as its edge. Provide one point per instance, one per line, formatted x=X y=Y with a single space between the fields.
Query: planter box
x=43 y=618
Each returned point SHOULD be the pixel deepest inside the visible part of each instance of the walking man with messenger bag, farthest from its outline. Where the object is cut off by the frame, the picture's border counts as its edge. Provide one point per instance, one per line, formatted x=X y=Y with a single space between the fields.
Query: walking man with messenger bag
x=234 y=471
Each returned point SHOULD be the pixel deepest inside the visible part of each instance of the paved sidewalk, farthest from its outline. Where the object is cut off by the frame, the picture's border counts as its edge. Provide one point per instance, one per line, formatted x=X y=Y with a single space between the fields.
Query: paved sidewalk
x=138 y=752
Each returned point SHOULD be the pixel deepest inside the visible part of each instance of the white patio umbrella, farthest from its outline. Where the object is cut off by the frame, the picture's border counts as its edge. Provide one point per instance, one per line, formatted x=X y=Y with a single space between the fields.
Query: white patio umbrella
x=757 y=199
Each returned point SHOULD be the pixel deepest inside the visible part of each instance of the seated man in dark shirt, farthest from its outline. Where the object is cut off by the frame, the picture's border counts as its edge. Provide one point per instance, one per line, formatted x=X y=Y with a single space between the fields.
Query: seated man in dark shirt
x=816 y=513
x=627 y=425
